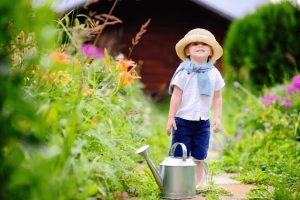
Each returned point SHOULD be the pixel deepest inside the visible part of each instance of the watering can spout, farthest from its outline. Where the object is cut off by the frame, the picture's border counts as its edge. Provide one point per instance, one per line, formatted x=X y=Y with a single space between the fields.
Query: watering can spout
x=143 y=151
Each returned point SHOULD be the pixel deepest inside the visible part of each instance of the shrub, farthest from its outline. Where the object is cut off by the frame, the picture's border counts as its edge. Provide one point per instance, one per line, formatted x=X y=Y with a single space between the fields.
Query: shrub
x=263 y=143
x=263 y=48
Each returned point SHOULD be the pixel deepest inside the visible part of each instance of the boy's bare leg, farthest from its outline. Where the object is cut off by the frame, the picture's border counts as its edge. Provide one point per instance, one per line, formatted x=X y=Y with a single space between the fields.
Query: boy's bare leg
x=199 y=171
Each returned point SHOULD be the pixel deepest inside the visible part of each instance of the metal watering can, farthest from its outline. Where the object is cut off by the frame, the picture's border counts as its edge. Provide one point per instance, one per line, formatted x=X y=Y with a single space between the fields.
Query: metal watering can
x=176 y=178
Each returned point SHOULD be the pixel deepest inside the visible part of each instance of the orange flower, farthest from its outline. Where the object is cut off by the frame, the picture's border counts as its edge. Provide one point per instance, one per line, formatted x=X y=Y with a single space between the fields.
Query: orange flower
x=87 y=91
x=63 y=58
x=59 y=57
x=127 y=73
x=51 y=78
x=123 y=65
x=128 y=77
x=62 y=77
x=94 y=121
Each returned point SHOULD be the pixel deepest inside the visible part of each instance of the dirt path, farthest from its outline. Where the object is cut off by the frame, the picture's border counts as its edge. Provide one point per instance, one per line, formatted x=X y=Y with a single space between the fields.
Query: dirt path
x=236 y=189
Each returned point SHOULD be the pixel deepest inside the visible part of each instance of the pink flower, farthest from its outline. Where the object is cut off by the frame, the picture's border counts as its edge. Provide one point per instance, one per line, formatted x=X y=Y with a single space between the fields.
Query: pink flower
x=296 y=82
x=291 y=89
x=266 y=102
x=91 y=51
x=269 y=98
x=287 y=103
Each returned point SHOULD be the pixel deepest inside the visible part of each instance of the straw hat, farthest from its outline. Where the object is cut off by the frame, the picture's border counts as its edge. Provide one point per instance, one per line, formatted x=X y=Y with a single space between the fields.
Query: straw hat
x=199 y=35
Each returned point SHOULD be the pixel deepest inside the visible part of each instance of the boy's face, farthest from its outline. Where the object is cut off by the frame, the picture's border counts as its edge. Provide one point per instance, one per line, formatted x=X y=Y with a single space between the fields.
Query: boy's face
x=198 y=50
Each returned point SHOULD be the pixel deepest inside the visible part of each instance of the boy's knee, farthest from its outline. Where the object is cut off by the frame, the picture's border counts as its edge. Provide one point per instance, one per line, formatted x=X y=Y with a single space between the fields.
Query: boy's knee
x=197 y=162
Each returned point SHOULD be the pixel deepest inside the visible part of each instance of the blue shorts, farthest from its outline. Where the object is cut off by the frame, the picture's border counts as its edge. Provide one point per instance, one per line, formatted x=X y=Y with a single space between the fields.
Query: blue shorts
x=194 y=134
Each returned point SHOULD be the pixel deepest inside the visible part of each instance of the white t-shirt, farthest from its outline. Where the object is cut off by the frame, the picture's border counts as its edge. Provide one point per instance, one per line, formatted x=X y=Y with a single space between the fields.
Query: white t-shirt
x=193 y=105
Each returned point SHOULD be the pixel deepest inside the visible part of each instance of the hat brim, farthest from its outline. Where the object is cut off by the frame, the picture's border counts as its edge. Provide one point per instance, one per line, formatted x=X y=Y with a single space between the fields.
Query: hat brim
x=181 y=44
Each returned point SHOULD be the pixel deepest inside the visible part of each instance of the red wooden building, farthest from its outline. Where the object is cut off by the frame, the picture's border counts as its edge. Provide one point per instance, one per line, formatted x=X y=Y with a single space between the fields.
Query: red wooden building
x=170 y=21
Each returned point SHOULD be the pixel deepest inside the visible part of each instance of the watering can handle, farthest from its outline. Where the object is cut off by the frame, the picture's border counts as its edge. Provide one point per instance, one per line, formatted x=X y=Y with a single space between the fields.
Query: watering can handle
x=184 y=151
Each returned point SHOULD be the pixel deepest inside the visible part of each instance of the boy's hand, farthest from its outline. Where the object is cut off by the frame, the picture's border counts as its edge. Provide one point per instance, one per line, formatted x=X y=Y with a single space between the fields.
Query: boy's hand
x=171 y=124
x=216 y=125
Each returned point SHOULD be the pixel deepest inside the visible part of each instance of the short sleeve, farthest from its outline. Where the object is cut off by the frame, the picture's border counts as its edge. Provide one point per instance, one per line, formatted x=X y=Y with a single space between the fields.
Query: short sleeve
x=220 y=83
x=179 y=80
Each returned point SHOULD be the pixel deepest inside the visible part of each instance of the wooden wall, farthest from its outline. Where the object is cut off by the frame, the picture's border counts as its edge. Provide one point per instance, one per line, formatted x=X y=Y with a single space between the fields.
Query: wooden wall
x=170 y=21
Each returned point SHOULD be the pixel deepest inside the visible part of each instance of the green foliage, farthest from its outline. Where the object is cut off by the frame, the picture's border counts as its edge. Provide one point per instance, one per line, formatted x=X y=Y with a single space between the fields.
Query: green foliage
x=18 y=122
x=214 y=192
x=262 y=143
x=263 y=48
x=261 y=192
x=68 y=128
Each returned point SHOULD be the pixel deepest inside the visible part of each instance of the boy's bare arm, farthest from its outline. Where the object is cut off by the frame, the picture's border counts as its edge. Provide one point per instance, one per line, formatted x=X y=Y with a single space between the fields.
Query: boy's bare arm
x=174 y=104
x=217 y=106
x=175 y=101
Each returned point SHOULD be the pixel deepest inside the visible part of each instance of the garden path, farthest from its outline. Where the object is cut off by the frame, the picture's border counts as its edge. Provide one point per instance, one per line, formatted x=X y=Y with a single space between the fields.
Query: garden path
x=236 y=189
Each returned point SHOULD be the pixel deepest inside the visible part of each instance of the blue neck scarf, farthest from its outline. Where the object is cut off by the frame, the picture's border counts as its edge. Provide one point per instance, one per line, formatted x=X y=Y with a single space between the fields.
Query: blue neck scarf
x=204 y=84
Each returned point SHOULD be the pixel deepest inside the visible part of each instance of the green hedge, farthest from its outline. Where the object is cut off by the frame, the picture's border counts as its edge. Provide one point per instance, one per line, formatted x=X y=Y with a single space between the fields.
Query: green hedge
x=263 y=48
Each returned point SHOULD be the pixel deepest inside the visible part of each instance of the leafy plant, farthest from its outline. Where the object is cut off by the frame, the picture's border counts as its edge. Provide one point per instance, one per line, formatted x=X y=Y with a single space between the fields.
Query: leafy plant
x=71 y=123
x=262 y=145
x=257 y=52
